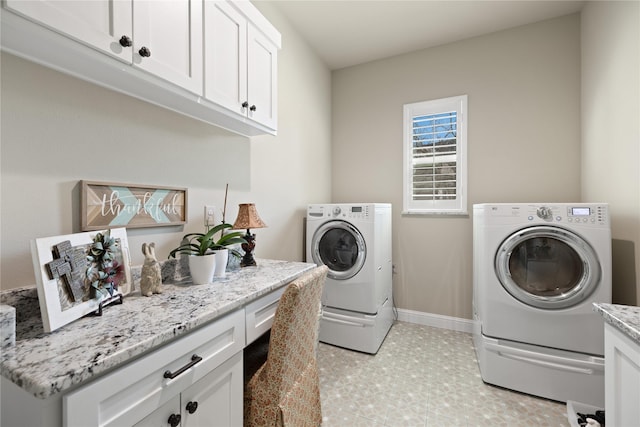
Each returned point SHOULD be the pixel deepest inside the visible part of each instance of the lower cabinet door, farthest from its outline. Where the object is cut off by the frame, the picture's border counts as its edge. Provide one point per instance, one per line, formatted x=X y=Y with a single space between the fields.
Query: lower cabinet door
x=216 y=399
x=166 y=415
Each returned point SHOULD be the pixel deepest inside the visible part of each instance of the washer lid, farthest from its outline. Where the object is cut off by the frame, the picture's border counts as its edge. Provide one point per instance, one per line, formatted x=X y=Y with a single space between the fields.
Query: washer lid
x=340 y=246
x=547 y=267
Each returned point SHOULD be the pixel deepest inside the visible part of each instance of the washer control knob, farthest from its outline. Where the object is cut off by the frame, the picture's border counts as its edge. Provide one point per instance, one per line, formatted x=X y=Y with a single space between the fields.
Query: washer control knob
x=545 y=213
x=337 y=210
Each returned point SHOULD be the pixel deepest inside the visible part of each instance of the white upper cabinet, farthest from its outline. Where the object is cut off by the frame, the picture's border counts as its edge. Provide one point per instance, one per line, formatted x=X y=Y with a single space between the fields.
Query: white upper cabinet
x=99 y=23
x=161 y=37
x=241 y=62
x=262 y=86
x=167 y=40
x=225 y=56
x=215 y=61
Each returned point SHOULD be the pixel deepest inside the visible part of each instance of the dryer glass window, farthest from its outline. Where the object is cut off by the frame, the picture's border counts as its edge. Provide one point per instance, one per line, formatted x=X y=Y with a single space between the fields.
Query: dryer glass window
x=338 y=249
x=545 y=266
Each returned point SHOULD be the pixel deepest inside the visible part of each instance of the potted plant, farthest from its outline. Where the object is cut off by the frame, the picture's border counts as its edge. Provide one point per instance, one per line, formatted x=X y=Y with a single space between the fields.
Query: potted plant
x=201 y=249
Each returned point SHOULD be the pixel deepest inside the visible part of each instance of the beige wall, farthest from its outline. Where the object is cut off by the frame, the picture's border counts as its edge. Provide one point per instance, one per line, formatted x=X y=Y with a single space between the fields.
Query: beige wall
x=57 y=130
x=611 y=131
x=523 y=140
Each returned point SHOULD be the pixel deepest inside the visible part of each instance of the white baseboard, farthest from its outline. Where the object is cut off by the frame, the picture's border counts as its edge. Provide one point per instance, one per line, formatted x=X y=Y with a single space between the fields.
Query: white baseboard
x=436 y=320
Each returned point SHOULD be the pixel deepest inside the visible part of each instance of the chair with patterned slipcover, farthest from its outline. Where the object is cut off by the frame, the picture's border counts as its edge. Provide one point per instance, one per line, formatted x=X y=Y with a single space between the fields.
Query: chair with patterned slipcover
x=285 y=390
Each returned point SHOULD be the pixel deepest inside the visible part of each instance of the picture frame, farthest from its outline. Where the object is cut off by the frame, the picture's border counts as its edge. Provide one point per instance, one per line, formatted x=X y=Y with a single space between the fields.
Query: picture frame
x=112 y=205
x=68 y=268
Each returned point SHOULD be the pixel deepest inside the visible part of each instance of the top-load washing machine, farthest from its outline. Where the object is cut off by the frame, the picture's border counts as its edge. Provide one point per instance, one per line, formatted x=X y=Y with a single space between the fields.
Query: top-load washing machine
x=538 y=269
x=354 y=241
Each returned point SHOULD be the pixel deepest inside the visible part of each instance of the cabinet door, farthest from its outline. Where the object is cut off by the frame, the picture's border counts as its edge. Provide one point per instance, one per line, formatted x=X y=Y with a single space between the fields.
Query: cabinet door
x=225 y=56
x=171 y=32
x=262 y=79
x=216 y=400
x=98 y=23
x=161 y=416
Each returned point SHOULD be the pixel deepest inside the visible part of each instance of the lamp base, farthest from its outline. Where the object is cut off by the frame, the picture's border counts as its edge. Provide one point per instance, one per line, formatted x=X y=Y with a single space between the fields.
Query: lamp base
x=247 y=259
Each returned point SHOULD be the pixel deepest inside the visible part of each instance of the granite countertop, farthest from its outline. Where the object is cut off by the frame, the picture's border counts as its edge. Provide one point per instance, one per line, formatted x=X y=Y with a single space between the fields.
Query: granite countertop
x=624 y=317
x=44 y=364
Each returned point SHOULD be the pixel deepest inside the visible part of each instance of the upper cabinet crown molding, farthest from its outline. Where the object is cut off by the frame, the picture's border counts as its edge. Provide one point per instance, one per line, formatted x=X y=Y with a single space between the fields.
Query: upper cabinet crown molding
x=130 y=47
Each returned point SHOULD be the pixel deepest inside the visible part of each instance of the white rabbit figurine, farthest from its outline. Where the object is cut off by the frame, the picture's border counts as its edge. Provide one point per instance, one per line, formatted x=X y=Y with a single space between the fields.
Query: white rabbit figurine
x=151 y=280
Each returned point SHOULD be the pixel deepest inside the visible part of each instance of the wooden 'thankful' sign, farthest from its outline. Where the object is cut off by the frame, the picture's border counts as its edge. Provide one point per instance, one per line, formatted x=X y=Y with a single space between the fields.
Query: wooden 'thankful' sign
x=109 y=205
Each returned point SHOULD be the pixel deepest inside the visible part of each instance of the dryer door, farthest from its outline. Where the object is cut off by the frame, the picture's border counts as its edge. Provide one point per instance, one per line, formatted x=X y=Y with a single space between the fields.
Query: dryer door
x=340 y=246
x=547 y=267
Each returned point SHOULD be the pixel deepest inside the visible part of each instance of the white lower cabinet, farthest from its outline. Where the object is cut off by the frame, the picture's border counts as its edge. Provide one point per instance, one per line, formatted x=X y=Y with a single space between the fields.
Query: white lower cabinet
x=210 y=402
x=621 y=378
x=205 y=367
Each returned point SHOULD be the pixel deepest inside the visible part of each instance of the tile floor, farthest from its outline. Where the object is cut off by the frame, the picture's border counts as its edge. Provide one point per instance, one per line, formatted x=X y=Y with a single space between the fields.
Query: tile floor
x=422 y=376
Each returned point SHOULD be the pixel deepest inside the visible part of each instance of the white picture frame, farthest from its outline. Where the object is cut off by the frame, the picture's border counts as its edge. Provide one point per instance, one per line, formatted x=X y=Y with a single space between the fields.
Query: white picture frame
x=59 y=309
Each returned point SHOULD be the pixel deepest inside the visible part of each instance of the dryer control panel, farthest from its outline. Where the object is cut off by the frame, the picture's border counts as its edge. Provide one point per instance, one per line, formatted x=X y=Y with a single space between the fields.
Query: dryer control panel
x=587 y=214
x=579 y=213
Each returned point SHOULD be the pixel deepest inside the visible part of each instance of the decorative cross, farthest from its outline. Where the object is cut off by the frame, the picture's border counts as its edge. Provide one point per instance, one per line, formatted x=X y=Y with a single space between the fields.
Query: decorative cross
x=70 y=265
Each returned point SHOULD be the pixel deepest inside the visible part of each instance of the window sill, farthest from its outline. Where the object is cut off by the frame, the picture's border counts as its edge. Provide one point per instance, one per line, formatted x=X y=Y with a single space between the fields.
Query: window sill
x=438 y=214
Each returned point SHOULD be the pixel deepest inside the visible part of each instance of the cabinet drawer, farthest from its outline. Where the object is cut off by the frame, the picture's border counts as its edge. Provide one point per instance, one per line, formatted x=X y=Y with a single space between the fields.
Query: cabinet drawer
x=260 y=314
x=135 y=390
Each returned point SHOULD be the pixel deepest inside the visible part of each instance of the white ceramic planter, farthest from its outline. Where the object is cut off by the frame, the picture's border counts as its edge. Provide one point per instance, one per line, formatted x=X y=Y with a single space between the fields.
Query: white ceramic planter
x=202 y=268
x=222 y=256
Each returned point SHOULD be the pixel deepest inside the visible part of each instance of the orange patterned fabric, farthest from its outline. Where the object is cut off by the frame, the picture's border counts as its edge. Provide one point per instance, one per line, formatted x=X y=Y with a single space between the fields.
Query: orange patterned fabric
x=285 y=391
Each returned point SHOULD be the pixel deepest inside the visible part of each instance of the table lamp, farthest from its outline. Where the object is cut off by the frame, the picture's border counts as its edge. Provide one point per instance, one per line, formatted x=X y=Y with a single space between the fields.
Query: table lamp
x=248 y=218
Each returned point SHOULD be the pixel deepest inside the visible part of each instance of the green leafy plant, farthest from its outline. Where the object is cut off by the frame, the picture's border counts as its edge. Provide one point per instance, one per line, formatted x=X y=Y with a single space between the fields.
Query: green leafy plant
x=200 y=244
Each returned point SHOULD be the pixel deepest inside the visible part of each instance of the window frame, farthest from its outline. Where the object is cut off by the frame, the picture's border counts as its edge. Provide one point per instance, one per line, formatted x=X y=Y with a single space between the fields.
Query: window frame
x=435 y=207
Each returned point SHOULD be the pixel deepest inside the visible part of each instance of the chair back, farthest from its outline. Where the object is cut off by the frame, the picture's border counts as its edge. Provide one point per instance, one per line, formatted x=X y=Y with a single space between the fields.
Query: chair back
x=289 y=377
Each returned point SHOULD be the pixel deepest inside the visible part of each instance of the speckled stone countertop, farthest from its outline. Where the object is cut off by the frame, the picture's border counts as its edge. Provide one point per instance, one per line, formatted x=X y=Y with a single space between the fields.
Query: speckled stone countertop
x=624 y=317
x=45 y=364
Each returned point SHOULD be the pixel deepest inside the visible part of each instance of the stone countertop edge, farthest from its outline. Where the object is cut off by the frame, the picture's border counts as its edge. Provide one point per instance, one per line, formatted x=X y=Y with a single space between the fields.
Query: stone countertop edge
x=45 y=364
x=624 y=317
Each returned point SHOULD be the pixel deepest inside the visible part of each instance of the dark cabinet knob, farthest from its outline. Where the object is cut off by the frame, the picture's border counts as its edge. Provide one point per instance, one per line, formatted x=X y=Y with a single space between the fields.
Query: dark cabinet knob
x=245 y=104
x=144 y=52
x=174 y=420
x=253 y=108
x=192 y=407
x=125 y=41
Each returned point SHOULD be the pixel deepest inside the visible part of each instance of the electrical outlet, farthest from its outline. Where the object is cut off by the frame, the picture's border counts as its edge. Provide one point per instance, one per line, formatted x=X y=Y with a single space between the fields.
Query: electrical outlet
x=209 y=216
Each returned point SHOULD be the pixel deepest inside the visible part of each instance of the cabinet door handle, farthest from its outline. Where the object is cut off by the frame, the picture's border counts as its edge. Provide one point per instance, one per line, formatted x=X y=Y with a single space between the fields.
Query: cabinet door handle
x=174 y=420
x=245 y=104
x=125 y=41
x=194 y=359
x=144 y=52
x=253 y=108
x=192 y=407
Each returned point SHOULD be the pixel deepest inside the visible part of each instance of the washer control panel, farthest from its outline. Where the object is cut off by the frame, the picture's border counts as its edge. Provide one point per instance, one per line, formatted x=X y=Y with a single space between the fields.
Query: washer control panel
x=339 y=211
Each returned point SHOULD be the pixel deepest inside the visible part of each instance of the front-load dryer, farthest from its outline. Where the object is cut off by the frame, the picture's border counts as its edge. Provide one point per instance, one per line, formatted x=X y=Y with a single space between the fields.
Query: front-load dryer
x=354 y=241
x=538 y=269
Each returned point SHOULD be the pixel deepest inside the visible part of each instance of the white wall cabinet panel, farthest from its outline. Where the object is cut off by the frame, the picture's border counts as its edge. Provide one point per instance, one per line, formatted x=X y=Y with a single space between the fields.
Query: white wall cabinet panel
x=240 y=63
x=98 y=23
x=262 y=79
x=171 y=33
x=225 y=55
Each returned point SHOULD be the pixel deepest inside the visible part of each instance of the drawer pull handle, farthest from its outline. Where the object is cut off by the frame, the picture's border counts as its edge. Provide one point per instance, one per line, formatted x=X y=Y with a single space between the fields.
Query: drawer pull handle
x=174 y=420
x=194 y=359
x=192 y=407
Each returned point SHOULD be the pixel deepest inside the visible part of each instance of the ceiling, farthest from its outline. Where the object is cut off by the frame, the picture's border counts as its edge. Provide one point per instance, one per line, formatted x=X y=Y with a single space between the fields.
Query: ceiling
x=345 y=33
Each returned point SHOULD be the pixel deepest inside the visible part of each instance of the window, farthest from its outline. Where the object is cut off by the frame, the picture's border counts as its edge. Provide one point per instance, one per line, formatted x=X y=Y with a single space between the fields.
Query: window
x=435 y=151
